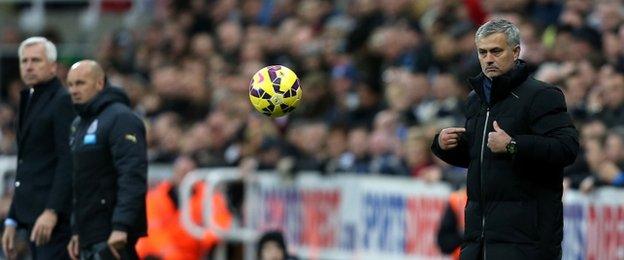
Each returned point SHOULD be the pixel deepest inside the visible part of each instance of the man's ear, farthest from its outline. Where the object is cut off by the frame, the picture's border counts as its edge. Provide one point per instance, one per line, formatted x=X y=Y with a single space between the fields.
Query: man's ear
x=100 y=84
x=516 y=52
x=54 y=68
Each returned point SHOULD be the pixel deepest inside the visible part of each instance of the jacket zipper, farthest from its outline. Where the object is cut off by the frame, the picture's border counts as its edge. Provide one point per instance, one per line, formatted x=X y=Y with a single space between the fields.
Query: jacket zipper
x=487 y=117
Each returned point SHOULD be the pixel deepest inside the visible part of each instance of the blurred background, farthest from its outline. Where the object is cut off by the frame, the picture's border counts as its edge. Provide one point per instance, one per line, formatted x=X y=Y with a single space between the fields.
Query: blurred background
x=379 y=79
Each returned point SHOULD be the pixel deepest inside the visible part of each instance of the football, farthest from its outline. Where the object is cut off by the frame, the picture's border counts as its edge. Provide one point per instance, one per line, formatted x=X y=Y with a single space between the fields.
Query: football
x=275 y=91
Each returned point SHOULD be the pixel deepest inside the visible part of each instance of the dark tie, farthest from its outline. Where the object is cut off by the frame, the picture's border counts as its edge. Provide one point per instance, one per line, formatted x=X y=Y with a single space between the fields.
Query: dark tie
x=31 y=92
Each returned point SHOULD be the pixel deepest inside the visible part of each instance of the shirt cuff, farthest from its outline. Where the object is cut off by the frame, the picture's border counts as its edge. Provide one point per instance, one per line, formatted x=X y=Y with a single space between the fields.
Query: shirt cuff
x=9 y=222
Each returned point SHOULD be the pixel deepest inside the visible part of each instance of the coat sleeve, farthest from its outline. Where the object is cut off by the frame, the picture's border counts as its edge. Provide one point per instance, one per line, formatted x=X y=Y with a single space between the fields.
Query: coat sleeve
x=12 y=213
x=449 y=236
x=458 y=156
x=61 y=192
x=554 y=140
x=128 y=148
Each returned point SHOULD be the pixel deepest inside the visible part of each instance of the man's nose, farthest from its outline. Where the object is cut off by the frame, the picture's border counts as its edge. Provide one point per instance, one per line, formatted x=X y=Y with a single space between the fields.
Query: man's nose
x=489 y=58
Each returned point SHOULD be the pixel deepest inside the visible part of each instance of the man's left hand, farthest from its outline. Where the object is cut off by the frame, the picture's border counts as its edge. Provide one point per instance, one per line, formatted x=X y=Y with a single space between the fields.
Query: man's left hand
x=498 y=140
x=44 y=225
x=117 y=241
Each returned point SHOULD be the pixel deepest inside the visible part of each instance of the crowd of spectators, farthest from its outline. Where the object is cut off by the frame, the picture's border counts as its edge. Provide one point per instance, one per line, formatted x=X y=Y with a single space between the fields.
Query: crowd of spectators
x=378 y=77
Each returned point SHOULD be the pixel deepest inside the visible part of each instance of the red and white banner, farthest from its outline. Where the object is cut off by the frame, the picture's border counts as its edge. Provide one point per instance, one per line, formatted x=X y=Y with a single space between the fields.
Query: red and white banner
x=375 y=217
x=594 y=225
x=355 y=217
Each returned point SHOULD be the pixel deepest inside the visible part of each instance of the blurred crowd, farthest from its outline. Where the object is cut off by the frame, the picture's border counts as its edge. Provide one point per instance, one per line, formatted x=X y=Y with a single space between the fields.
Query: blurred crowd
x=379 y=78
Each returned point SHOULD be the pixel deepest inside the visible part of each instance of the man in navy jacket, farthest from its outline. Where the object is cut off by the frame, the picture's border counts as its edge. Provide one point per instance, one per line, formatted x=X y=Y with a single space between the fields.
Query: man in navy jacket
x=109 y=153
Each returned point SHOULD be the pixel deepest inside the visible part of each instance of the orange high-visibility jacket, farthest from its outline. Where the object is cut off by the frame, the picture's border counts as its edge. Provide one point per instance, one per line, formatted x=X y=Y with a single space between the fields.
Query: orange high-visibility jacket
x=167 y=238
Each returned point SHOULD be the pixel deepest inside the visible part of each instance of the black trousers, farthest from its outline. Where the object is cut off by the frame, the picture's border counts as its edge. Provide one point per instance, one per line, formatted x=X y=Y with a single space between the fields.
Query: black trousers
x=101 y=251
x=56 y=248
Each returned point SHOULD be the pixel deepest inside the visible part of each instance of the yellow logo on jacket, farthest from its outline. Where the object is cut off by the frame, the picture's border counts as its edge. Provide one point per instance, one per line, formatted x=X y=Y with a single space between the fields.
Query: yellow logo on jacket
x=131 y=138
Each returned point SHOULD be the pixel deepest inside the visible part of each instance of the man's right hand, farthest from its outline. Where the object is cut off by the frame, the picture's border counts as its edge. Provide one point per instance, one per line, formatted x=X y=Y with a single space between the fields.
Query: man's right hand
x=73 y=248
x=8 y=242
x=42 y=231
x=449 y=137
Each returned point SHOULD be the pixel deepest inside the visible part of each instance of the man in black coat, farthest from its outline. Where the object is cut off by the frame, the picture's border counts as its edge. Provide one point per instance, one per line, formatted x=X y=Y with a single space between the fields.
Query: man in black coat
x=42 y=201
x=517 y=139
x=109 y=153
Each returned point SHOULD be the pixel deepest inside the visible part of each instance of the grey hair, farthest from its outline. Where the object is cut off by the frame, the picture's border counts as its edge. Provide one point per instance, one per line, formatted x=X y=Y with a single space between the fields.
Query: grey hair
x=50 y=49
x=499 y=26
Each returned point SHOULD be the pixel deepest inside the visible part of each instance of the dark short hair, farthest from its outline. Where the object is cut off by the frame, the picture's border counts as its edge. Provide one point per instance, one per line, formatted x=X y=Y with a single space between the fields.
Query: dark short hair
x=272 y=236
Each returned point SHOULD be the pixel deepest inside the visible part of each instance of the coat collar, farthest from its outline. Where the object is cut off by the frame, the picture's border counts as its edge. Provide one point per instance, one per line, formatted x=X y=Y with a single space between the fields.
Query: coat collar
x=107 y=96
x=43 y=92
x=49 y=85
x=503 y=84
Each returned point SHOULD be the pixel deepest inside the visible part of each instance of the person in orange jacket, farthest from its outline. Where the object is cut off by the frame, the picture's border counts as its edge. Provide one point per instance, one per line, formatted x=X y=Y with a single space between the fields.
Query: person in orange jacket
x=450 y=234
x=167 y=239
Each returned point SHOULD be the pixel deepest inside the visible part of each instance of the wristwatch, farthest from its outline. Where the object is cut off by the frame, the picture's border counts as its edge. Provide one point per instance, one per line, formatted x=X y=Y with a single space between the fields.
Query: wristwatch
x=511 y=147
